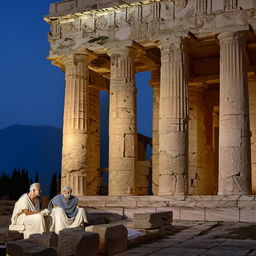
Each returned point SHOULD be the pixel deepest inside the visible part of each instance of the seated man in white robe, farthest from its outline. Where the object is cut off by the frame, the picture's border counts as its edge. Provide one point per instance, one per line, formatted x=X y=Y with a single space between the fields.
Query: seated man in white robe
x=27 y=213
x=65 y=212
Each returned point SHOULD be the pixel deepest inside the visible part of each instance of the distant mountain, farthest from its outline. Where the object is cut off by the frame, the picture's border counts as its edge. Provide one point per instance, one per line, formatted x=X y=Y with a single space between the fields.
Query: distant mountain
x=36 y=148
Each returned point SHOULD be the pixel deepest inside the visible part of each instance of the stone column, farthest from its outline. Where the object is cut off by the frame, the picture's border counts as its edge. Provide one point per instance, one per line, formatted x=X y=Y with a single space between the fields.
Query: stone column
x=173 y=112
x=201 y=7
x=75 y=124
x=230 y=4
x=234 y=138
x=155 y=83
x=122 y=122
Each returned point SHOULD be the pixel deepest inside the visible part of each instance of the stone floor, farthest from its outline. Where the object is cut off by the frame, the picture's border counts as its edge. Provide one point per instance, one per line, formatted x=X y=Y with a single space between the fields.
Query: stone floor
x=198 y=238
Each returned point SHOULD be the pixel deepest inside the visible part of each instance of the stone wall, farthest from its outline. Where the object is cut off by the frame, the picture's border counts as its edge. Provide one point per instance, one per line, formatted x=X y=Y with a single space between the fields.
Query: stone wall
x=201 y=208
x=202 y=176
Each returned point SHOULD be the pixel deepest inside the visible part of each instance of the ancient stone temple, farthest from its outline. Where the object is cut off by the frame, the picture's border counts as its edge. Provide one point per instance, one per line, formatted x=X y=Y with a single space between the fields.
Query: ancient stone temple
x=202 y=59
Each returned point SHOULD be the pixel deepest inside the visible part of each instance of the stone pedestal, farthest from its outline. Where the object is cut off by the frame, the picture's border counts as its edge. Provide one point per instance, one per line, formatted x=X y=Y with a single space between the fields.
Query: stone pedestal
x=155 y=83
x=122 y=122
x=234 y=139
x=75 y=124
x=173 y=112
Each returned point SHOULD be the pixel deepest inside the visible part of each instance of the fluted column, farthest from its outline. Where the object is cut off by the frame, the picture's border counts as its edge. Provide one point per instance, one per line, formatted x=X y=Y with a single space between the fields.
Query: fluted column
x=155 y=83
x=122 y=122
x=75 y=124
x=230 y=4
x=234 y=139
x=201 y=7
x=173 y=112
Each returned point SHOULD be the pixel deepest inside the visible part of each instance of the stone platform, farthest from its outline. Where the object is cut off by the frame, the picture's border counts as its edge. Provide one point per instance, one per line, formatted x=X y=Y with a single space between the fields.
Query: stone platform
x=199 y=239
x=198 y=208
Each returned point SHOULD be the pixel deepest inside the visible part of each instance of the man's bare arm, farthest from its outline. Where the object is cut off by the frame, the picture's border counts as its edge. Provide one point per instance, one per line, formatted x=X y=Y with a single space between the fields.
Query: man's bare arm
x=27 y=212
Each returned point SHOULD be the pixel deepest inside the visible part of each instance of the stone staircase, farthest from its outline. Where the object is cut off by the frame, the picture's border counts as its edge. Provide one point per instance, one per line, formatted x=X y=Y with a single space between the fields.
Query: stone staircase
x=6 y=208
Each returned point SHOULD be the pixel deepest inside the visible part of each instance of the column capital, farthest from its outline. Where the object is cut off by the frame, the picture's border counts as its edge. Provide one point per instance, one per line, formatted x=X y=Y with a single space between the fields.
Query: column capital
x=231 y=35
x=173 y=42
x=123 y=51
x=77 y=58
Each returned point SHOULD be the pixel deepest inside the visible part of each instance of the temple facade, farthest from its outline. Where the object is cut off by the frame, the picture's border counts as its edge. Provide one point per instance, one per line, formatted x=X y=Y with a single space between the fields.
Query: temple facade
x=202 y=59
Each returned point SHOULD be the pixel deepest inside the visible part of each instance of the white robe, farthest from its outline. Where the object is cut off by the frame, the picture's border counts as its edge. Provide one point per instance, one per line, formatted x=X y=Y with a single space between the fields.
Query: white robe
x=61 y=221
x=33 y=223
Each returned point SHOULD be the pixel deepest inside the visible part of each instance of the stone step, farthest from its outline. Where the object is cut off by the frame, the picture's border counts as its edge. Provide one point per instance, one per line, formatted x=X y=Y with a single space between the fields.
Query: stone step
x=6 y=209
x=7 y=202
x=5 y=221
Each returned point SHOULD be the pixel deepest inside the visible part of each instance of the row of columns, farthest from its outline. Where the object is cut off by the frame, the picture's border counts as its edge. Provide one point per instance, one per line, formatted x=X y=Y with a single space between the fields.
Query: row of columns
x=170 y=121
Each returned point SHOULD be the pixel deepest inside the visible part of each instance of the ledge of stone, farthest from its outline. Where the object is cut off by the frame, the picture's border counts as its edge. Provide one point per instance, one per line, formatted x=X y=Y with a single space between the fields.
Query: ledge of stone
x=72 y=6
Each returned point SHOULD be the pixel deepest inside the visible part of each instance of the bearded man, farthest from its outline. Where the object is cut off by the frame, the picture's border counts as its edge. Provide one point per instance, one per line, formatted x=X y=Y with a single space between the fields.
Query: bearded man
x=64 y=211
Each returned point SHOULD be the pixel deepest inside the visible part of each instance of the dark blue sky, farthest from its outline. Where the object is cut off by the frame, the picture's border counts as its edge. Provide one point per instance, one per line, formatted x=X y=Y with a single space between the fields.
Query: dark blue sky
x=31 y=89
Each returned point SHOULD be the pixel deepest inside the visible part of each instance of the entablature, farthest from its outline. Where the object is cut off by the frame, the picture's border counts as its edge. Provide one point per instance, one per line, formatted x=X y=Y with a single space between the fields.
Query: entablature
x=75 y=25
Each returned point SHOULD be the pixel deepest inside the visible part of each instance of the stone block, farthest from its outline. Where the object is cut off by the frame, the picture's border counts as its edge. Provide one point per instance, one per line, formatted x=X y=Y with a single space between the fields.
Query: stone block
x=113 y=238
x=247 y=215
x=222 y=214
x=104 y=216
x=246 y=204
x=75 y=241
x=192 y=213
x=183 y=203
x=175 y=211
x=9 y=235
x=152 y=220
x=216 y=204
x=47 y=239
x=5 y=221
x=247 y=198
x=96 y=203
x=27 y=248
x=121 y=203
x=129 y=212
x=245 y=4
x=152 y=203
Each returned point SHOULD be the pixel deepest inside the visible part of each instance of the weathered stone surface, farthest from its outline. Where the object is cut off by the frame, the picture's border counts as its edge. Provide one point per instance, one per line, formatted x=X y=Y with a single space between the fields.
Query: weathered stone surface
x=173 y=119
x=247 y=215
x=113 y=238
x=27 y=248
x=155 y=83
x=75 y=241
x=175 y=211
x=192 y=213
x=122 y=142
x=129 y=212
x=75 y=124
x=234 y=146
x=152 y=220
x=9 y=235
x=5 y=220
x=131 y=34
x=222 y=214
x=47 y=239
x=216 y=204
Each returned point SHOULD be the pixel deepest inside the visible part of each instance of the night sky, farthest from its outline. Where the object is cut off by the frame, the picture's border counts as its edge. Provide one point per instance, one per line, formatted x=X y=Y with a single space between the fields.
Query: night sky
x=31 y=89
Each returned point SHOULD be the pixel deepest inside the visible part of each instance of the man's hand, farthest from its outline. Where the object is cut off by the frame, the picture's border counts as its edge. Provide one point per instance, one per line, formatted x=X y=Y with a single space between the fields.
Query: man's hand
x=45 y=212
